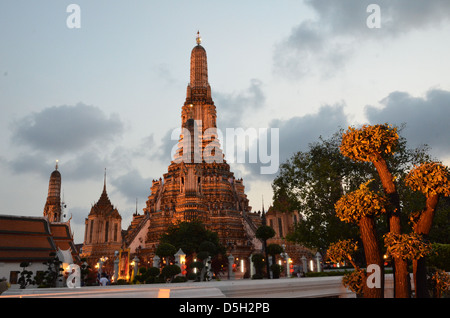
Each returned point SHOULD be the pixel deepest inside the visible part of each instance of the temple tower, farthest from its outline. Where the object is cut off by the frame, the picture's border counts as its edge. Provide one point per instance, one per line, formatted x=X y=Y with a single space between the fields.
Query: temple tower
x=52 y=208
x=199 y=184
x=103 y=228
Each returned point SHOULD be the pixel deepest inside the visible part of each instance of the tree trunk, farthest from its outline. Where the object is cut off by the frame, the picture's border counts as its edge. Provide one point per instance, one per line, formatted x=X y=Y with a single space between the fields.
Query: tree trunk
x=423 y=227
x=372 y=254
x=401 y=275
x=267 y=258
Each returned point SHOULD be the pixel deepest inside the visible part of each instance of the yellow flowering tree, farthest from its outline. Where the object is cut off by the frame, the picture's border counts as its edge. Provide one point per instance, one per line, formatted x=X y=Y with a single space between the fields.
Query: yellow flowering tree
x=433 y=180
x=342 y=251
x=372 y=143
x=361 y=207
x=441 y=282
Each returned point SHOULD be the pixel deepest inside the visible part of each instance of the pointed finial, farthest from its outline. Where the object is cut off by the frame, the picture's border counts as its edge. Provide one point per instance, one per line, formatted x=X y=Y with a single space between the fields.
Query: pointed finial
x=104 y=181
x=262 y=196
x=198 y=39
x=56 y=165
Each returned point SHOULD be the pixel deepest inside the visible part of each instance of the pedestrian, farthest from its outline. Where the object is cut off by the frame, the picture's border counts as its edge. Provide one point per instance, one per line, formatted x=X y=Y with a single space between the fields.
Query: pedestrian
x=104 y=280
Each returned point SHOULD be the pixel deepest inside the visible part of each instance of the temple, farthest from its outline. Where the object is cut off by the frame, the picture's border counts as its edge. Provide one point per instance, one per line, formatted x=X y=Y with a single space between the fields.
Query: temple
x=36 y=240
x=52 y=209
x=103 y=230
x=198 y=184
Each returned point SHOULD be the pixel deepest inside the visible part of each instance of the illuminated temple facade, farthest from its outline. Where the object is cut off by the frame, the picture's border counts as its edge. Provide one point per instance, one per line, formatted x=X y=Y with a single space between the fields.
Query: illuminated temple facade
x=199 y=183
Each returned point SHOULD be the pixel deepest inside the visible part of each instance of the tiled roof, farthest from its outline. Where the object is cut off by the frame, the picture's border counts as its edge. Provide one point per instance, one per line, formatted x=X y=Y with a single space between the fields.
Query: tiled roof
x=32 y=238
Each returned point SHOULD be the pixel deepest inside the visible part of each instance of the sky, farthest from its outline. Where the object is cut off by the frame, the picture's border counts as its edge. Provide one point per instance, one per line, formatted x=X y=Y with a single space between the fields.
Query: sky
x=108 y=92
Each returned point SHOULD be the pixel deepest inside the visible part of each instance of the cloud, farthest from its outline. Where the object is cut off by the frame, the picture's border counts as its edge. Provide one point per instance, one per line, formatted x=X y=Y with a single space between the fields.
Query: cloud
x=325 y=45
x=426 y=118
x=64 y=129
x=133 y=186
x=232 y=107
x=296 y=133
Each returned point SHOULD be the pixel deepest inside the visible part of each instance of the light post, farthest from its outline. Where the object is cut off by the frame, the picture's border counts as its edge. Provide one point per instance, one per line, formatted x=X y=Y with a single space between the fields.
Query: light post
x=318 y=257
x=286 y=260
x=135 y=264
x=180 y=260
x=116 y=266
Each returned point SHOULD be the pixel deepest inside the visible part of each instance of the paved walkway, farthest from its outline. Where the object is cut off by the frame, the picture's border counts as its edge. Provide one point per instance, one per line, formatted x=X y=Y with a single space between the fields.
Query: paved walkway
x=274 y=288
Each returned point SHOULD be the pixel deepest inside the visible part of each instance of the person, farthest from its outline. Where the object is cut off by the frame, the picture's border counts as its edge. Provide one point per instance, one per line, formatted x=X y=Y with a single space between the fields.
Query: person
x=104 y=280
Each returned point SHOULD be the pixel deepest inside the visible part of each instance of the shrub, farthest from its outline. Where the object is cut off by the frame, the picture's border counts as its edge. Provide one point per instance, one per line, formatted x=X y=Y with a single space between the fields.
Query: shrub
x=169 y=271
x=276 y=270
x=440 y=256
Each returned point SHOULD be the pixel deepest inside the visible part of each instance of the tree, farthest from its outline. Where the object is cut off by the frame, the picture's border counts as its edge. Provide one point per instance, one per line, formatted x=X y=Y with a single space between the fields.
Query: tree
x=432 y=179
x=258 y=261
x=342 y=251
x=374 y=144
x=169 y=271
x=53 y=272
x=311 y=182
x=361 y=207
x=25 y=276
x=166 y=251
x=274 y=250
x=197 y=233
x=314 y=180
x=265 y=232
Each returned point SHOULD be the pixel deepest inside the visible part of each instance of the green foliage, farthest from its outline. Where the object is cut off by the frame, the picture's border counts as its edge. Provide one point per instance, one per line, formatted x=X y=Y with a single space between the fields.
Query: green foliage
x=259 y=262
x=169 y=271
x=439 y=256
x=314 y=180
x=197 y=234
x=274 y=249
x=52 y=273
x=25 y=278
x=165 y=250
x=264 y=232
x=440 y=231
x=276 y=270
x=147 y=275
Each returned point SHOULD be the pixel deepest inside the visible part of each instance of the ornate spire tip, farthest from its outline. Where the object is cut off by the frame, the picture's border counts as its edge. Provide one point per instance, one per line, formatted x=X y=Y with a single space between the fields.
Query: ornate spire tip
x=199 y=38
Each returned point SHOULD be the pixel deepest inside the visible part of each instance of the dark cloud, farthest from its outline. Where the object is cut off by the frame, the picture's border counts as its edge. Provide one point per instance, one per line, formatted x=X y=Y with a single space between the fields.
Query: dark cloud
x=88 y=165
x=324 y=45
x=133 y=186
x=296 y=133
x=348 y=17
x=231 y=108
x=63 y=129
x=31 y=163
x=163 y=152
x=426 y=118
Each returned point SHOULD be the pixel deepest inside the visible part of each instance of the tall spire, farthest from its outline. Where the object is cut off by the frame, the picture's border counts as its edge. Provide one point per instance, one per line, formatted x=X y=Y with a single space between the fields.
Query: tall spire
x=199 y=65
x=104 y=182
x=52 y=209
